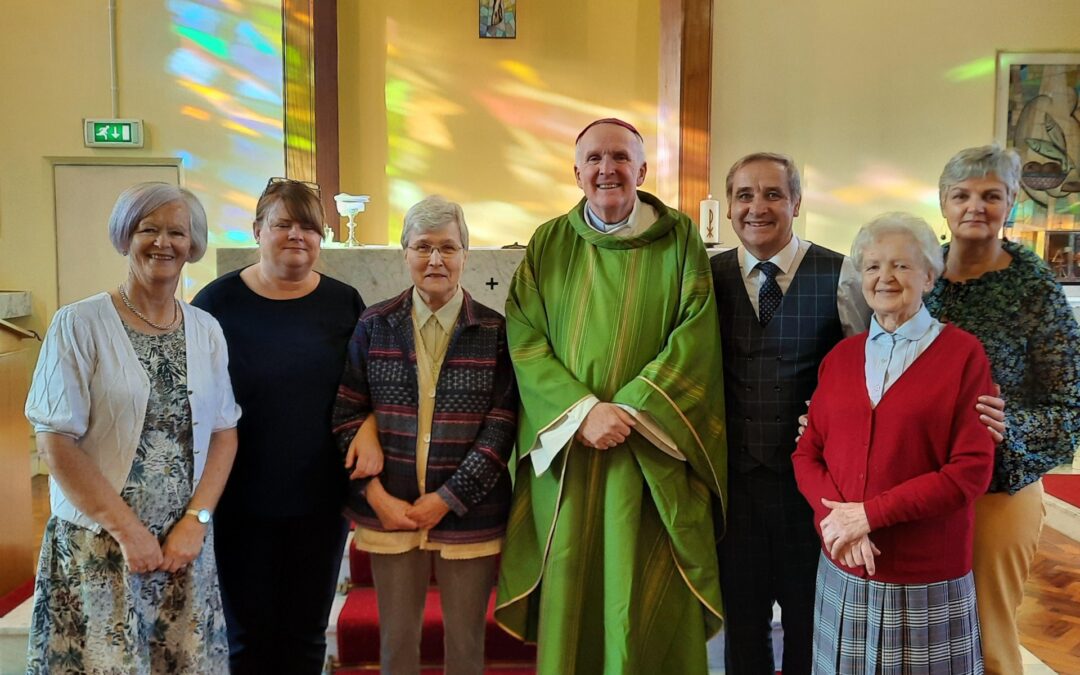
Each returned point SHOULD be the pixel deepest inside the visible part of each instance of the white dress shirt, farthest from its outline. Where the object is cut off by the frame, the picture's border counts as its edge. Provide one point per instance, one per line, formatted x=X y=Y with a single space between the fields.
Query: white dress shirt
x=641 y=218
x=850 y=304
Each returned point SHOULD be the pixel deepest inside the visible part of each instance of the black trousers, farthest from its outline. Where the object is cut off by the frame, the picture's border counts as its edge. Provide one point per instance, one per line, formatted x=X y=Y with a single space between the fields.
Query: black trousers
x=769 y=553
x=277 y=584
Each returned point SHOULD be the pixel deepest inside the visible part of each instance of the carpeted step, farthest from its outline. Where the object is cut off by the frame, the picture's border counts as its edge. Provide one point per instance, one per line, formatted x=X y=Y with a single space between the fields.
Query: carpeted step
x=1065 y=487
x=359 y=566
x=16 y=596
x=358 y=633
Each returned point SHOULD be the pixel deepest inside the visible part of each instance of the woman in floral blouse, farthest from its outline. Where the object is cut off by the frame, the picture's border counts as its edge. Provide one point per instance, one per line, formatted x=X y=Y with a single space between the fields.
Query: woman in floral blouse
x=1007 y=297
x=136 y=419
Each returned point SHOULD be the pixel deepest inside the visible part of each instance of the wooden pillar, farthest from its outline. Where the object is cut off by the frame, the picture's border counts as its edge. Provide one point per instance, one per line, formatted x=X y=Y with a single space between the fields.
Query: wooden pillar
x=309 y=41
x=684 y=97
x=327 y=166
x=16 y=531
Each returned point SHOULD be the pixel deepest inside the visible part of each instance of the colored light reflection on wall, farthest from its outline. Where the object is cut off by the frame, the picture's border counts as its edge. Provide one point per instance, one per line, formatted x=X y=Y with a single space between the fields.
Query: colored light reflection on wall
x=529 y=178
x=489 y=124
x=836 y=205
x=972 y=70
x=228 y=58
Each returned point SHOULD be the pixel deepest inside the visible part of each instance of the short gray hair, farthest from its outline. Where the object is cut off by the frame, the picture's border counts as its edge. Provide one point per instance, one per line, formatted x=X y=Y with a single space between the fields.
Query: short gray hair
x=793 y=178
x=142 y=199
x=898 y=222
x=434 y=213
x=982 y=161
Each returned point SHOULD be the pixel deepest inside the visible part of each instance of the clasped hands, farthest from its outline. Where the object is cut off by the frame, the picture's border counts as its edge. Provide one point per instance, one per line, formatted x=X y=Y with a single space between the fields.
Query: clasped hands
x=365 y=458
x=606 y=426
x=397 y=514
x=144 y=553
x=846 y=535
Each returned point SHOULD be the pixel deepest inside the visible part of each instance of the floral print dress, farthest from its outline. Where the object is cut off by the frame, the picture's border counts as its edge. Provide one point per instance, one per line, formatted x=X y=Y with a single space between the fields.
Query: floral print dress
x=93 y=615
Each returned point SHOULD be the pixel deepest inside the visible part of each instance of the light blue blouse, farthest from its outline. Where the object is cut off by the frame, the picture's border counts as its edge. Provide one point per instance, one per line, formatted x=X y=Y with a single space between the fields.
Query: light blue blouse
x=888 y=355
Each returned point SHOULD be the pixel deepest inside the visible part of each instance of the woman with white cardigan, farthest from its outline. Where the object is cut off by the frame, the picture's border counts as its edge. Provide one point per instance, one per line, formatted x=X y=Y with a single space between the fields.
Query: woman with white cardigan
x=135 y=417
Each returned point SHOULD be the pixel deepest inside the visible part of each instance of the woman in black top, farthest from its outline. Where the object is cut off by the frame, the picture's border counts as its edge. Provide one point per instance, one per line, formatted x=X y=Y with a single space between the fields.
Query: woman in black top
x=279 y=527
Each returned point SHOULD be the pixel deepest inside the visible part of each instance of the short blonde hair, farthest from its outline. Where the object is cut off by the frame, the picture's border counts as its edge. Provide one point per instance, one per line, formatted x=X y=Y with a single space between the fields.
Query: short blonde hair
x=301 y=203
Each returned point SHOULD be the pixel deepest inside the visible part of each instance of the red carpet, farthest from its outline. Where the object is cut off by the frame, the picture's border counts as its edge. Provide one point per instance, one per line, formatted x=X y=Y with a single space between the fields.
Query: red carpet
x=358 y=630
x=439 y=671
x=1064 y=487
x=16 y=596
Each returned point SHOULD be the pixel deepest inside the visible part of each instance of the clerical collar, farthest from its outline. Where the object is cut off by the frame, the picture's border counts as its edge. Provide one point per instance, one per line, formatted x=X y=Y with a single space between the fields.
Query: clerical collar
x=446 y=315
x=913 y=329
x=782 y=259
x=599 y=225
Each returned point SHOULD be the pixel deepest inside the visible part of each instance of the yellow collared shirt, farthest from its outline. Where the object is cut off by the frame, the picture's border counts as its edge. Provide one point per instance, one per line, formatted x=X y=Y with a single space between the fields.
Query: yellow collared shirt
x=431 y=333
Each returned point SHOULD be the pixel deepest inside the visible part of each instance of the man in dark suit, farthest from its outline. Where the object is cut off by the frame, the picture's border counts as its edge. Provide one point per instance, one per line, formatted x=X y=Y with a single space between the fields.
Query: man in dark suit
x=783 y=303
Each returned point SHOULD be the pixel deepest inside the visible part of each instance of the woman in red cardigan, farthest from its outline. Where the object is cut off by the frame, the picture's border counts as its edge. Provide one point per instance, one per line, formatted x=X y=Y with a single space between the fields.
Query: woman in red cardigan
x=892 y=461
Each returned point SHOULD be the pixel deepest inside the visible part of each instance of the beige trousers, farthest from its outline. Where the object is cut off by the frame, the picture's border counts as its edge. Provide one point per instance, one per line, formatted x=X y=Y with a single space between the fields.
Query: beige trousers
x=1006 y=537
x=401 y=584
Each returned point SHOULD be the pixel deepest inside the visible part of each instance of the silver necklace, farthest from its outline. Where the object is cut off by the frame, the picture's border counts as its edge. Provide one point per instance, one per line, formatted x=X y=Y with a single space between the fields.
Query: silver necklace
x=169 y=326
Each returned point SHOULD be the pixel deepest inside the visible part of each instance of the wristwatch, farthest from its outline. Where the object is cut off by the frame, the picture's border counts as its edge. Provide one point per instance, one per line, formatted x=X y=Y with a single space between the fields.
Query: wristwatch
x=201 y=515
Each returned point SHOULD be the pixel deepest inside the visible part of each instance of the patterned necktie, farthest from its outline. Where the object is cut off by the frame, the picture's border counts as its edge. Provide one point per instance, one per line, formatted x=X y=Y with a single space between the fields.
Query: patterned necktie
x=769 y=295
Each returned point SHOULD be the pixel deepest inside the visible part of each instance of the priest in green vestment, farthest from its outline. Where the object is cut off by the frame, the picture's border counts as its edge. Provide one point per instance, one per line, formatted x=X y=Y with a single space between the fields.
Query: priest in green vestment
x=609 y=563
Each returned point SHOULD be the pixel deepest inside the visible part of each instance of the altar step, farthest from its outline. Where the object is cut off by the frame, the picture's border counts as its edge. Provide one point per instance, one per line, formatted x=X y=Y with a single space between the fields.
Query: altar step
x=355 y=628
x=509 y=670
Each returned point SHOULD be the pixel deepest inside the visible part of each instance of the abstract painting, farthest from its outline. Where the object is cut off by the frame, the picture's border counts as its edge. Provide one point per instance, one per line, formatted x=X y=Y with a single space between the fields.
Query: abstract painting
x=1038 y=116
x=498 y=18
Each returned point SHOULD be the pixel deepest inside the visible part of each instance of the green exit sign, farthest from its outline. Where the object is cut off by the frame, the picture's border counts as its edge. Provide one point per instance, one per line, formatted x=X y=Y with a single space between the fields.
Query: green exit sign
x=113 y=133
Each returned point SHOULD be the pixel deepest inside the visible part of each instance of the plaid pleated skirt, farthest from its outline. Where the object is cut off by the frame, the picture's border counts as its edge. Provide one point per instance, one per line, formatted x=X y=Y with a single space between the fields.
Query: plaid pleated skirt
x=865 y=627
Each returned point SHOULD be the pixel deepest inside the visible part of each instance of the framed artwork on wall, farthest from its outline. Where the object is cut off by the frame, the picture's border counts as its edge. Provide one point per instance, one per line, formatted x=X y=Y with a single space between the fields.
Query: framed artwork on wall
x=1037 y=114
x=498 y=18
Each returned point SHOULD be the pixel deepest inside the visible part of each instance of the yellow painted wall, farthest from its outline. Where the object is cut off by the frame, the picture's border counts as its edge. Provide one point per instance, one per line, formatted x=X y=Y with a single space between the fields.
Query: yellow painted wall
x=871 y=97
x=428 y=107
x=50 y=80
x=56 y=72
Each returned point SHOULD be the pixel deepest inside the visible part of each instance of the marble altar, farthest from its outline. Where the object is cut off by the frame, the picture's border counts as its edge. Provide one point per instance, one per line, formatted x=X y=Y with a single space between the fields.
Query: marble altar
x=379 y=272
x=14 y=304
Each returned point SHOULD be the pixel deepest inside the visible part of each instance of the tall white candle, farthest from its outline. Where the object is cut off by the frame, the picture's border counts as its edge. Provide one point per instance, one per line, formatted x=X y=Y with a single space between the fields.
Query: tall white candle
x=709 y=224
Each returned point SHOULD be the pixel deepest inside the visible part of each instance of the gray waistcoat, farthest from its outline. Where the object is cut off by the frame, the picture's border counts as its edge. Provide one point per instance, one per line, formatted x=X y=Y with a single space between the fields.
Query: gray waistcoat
x=770 y=372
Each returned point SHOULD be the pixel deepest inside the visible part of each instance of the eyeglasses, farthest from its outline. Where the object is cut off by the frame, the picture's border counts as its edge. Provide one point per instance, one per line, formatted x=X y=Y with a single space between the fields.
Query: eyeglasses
x=279 y=180
x=446 y=251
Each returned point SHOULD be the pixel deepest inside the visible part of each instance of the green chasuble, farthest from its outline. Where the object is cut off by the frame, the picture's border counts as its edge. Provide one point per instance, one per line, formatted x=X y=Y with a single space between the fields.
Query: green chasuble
x=609 y=562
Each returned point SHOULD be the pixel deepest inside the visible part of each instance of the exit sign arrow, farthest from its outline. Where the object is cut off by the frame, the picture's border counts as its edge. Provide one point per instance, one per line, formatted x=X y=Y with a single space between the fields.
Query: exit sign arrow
x=113 y=133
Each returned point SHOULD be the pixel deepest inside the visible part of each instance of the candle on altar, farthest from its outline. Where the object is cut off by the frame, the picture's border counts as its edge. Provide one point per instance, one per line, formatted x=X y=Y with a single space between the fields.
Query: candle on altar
x=709 y=224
